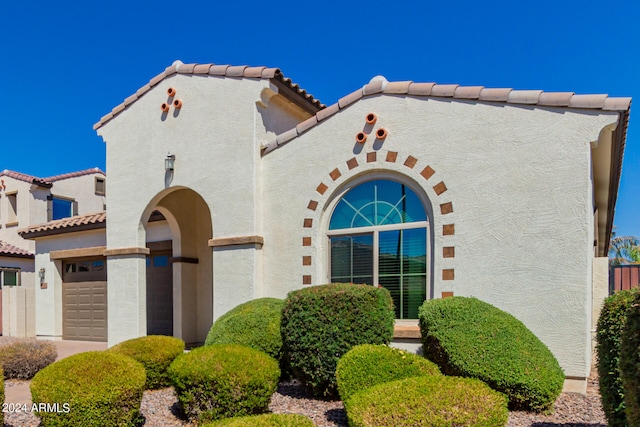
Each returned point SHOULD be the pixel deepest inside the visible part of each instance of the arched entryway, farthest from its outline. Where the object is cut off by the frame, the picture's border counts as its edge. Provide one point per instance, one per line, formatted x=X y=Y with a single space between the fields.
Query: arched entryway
x=179 y=270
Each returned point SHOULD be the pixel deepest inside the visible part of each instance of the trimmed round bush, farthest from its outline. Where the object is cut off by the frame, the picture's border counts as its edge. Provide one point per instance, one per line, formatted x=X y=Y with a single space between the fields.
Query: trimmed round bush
x=630 y=362
x=434 y=401
x=321 y=323
x=266 y=420
x=22 y=358
x=96 y=388
x=367 y=365
x=224 y=380
x=609 y=336
x=470 y=338
x=155 y=353
x=255 y=324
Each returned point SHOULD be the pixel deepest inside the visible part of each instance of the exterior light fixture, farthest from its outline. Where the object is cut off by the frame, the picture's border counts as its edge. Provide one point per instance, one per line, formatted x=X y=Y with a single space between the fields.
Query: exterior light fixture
x=41 y=273
x=169 y=162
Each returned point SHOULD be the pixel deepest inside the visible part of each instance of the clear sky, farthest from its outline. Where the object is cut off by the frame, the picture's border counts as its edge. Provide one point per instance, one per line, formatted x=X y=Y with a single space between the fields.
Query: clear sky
x=67 y=63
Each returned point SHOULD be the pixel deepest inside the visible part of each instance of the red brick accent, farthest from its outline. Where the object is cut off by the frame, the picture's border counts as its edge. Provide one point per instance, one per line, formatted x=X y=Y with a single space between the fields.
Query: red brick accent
x=447 y=274
x=447 y=294
x=313 y=205
x=440 y=188
x=446 y=208
x=308 y=223
x=322 y=188
x=448 y=229
x=335 y=174
x=352 y=163
x=410 y=162
x=391 y=156
x=306 y=279
x=427 y=172
x=306 y=260
x=371 y=157
x=306 y=241
x=448 y=252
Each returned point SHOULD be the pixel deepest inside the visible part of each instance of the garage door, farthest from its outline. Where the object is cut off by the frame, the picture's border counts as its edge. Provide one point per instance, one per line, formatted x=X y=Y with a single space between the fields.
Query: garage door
x=84 y=296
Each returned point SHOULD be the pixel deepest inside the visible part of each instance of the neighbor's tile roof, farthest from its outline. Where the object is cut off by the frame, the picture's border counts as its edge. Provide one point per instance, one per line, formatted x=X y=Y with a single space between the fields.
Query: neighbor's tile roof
x=237 y=71
x=66 y=225
x=9 y=250
x=47 y=182
x=379 y=85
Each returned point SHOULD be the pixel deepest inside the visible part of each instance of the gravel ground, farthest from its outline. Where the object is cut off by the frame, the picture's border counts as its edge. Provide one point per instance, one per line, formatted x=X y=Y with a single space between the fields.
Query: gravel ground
x=160 y=409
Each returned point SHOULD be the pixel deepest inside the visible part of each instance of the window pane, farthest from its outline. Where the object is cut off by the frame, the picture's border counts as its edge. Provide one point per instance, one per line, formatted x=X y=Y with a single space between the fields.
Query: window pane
x=352 y=259
x=414 y=293
x=98 y=265
x=160 y=260
x=61 y=208
x=83 y=266
x=389 y=252
x=392 y=284
x=414 y=251
x=10 y=278
x=377 y=202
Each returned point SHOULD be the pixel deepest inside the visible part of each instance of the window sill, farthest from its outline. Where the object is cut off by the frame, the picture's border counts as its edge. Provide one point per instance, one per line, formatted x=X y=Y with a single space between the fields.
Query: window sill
x=406 y=331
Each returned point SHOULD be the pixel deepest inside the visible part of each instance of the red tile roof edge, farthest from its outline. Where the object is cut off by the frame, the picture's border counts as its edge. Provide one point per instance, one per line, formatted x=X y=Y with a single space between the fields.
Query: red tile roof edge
x=9 y=250
x=66 y=225
x=379 y=86
x=240 y=71
x=46 y=182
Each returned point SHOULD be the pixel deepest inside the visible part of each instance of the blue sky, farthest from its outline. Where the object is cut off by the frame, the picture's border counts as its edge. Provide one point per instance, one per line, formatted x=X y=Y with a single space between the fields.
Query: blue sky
x=67 y=63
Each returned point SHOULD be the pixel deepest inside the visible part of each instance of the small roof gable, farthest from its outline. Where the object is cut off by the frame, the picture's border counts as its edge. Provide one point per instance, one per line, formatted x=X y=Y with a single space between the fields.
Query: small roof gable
x=298 y=95
x=8 y=250
x=66 y=225
x=48 y=182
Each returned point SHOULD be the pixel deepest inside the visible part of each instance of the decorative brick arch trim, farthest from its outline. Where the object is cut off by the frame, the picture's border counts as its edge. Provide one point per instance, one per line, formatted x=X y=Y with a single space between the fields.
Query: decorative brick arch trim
x=352 y=167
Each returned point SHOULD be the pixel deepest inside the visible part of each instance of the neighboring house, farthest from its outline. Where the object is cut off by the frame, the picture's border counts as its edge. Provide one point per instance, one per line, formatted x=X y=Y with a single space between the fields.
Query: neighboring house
x=27 y=200
x=232 y=183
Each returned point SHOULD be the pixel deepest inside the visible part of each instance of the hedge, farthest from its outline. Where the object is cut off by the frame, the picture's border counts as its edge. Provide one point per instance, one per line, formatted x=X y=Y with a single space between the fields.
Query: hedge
x=470 y=338
x=321 y=323
x=224 y=380
x=1 y=396
x=22 y=358
x=266 y=420
x=630 y=362
x=609 y=336
x=100 y=387
x=434 y=401
x=155 y=353
x=255 y=324
x=367 y=365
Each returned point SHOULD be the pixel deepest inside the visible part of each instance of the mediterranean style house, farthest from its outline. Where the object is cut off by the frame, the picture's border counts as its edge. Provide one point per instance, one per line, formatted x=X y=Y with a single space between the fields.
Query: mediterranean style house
x=228 y=183
x=27 y=200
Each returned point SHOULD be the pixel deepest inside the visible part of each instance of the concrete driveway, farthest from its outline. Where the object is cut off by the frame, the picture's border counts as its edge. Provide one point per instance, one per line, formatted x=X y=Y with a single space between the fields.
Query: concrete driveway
x=18 y=391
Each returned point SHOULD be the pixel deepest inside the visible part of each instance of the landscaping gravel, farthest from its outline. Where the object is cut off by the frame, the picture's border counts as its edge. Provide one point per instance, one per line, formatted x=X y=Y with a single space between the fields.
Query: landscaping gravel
x=160 y=409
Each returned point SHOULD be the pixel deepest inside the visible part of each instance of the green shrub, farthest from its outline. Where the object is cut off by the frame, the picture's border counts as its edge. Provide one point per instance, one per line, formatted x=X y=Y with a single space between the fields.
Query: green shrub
x=96 y=388
x=321 y=323
x=224 y=380
x=22 y=358
x=155 y=353
x=470 y=338
x=609 y=336
x=255 y=324
x=630 y=362
x=367 y=365
x=266 y=420
x=1 y=396
x=434 y=401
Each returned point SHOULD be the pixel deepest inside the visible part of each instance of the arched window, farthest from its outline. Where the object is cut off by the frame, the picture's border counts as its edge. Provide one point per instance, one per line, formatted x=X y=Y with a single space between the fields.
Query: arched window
x=378 y=236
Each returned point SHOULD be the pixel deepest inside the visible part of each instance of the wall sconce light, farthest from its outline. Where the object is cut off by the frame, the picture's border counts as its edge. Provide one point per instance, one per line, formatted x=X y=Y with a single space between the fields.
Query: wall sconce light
x=169 y=162
x=41 y=273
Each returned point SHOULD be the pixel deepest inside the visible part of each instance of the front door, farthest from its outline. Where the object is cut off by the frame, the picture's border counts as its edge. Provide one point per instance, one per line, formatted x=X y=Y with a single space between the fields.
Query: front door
x=159 y=294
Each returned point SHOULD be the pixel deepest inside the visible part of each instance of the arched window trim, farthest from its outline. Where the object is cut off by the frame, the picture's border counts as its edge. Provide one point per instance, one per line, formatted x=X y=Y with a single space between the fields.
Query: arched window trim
x=375 y=230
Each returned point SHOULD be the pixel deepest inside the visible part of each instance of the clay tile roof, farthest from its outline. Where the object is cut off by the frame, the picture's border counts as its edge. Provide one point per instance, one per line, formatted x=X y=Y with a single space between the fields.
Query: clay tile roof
x=379 y=85
x=241 y=71
x=47 y=182
x=9 y=250
x=66 y=225
x=74 y=174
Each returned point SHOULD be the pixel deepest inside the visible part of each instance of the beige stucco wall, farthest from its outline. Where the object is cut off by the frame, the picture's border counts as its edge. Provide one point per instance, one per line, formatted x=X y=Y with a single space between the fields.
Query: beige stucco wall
x=82 y=190
x=215 y=137
x=519 y=182
x=31 y=207
x=18 y=316
x=600 y=292
x=48 y=302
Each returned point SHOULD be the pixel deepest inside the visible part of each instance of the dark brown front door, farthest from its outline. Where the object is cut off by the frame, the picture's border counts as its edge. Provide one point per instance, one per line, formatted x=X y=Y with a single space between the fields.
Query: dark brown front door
x=159 y=294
